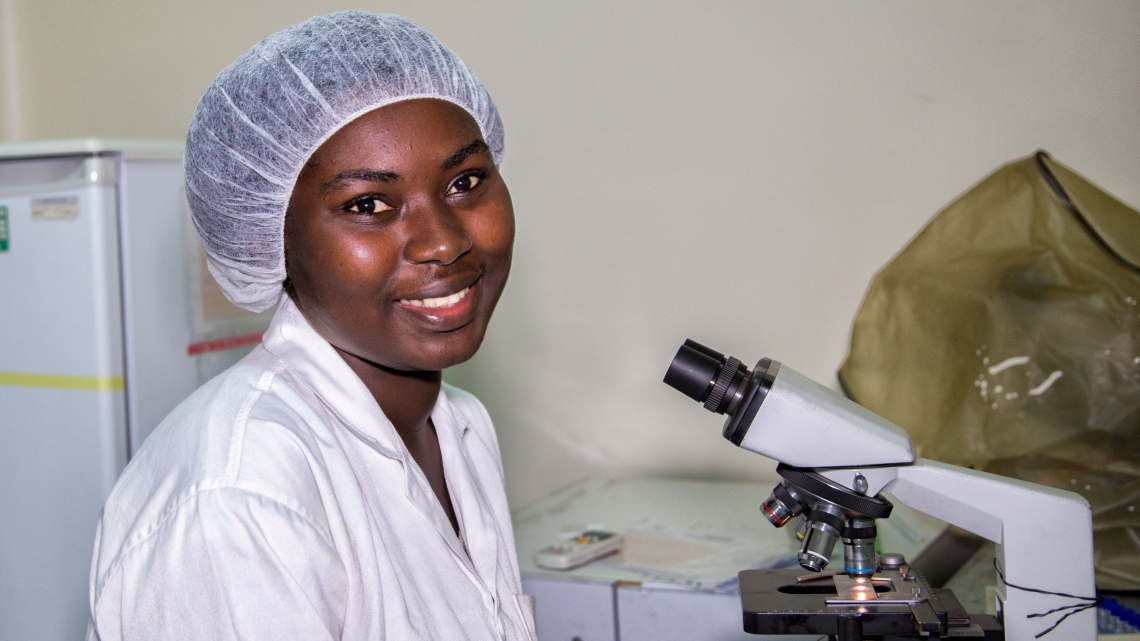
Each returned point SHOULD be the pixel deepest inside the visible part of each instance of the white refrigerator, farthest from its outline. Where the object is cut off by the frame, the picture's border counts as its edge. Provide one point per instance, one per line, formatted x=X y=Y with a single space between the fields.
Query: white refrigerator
x=108 y=319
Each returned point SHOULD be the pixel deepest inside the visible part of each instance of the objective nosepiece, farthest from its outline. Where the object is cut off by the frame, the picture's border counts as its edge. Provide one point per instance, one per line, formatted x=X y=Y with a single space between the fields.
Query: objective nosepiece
x=859 y=558
x=782 y=505
x=818 y=543
x=824 y=526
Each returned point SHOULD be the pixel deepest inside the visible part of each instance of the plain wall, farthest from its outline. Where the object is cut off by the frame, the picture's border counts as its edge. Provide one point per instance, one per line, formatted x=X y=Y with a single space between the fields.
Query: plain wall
x=734 y=172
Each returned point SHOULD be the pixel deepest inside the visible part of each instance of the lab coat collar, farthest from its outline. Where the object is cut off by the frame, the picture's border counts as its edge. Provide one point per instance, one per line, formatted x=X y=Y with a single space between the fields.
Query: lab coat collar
x=343 y=394
x=334 y=384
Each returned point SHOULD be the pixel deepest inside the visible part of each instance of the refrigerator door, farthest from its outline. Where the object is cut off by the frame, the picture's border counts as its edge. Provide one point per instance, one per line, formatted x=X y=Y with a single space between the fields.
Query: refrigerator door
x=62 y=405
x=156 y=297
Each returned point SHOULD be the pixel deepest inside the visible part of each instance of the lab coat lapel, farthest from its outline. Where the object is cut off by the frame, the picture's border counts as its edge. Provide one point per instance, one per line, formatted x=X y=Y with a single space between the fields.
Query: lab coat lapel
x=420 y=494
x=470 y=502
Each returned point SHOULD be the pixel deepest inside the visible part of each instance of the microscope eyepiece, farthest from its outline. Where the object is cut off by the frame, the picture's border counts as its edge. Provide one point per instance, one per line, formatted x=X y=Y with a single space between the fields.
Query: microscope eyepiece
x=708 y=377
x=694 y=370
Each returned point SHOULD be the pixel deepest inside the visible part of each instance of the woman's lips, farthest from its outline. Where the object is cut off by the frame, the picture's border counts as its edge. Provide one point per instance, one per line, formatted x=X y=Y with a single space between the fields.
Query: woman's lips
x=442 y=302
x=444 y=313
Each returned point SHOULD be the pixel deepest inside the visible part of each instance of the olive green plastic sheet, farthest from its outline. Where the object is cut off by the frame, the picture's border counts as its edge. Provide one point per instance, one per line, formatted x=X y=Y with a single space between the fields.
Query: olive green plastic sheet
x=1006 y=337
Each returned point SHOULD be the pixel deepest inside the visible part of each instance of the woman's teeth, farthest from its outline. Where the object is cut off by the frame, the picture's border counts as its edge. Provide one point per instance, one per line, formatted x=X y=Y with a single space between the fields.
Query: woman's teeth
x=442 y=301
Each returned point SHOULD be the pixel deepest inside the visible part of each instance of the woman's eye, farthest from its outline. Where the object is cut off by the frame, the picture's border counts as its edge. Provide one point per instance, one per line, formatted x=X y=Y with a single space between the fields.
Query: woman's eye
x=463 y=183
x=369 y=206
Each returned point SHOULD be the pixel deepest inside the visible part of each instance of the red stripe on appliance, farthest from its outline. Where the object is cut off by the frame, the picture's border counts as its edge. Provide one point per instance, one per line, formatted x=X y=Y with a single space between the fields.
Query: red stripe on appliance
x=230 y=342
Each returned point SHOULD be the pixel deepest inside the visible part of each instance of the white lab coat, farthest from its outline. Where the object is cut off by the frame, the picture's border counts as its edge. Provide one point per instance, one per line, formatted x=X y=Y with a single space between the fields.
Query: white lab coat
x=277 y=502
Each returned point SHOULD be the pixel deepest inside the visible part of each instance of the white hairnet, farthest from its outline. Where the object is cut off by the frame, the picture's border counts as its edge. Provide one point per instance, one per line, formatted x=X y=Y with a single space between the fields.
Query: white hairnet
x=265 y=114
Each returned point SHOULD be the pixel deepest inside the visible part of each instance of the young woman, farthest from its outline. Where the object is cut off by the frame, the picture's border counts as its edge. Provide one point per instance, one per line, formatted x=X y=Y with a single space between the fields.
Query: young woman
x=329 y=486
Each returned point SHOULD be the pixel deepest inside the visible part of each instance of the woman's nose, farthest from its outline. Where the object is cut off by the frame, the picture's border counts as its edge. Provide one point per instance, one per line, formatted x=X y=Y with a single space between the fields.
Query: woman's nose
x=436 y=234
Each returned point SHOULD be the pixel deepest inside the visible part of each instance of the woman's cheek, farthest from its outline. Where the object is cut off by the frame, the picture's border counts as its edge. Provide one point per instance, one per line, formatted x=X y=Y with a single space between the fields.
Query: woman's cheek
x=495 y=222
x=496 y=231
x=363 y=260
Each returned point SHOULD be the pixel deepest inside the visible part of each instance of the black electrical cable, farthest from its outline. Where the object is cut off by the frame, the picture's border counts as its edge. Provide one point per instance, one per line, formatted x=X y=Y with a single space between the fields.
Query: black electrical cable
x=1076 y=607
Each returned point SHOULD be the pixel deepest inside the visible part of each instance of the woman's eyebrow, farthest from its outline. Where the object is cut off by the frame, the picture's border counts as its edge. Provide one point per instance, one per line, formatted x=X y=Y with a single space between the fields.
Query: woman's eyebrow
x=454 y=160
x=368 y=175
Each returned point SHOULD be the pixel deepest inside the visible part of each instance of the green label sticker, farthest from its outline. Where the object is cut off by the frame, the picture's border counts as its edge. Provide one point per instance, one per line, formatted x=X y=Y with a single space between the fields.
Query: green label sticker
x=3 y=228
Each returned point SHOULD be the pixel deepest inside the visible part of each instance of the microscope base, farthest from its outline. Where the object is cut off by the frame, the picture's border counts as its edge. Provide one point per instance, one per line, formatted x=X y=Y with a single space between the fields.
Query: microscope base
x=903 y=606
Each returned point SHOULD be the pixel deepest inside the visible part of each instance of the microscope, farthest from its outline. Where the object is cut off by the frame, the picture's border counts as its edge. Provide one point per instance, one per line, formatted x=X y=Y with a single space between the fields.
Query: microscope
x=836 y=459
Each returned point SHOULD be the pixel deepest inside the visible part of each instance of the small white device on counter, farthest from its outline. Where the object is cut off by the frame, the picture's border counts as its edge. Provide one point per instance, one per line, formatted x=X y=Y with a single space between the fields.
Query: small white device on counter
x=579 y=550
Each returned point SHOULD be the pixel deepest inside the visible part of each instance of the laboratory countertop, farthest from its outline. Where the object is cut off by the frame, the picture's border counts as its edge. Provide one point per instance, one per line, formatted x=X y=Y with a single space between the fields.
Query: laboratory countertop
x=684 y=534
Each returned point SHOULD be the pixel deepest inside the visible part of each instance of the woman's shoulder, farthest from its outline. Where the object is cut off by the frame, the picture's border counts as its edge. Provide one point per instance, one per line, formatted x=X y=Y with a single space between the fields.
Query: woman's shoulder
x=244 y=434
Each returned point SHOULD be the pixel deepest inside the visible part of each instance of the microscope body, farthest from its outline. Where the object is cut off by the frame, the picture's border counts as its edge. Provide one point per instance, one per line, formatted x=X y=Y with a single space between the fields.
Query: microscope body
x=836 y=458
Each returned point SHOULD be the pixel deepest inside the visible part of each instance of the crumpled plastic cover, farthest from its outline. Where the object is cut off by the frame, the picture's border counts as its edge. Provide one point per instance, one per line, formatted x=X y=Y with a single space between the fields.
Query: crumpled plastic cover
x=1006 y=337
x=263 y=117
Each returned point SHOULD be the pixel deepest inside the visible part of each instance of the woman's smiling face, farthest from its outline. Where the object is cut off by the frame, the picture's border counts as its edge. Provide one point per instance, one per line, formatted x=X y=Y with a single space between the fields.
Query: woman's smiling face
x=398 y=237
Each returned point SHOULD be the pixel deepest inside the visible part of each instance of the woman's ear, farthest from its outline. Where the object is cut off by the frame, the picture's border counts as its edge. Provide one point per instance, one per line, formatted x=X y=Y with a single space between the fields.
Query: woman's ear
x=287 y=285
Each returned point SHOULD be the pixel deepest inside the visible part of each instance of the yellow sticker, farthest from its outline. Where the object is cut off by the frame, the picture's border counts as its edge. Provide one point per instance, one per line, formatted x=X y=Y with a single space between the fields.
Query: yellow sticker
x=59 y=381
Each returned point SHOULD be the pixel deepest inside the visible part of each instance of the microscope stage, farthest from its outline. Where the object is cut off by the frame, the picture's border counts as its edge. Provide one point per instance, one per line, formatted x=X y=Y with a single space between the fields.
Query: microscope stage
x=892 y=604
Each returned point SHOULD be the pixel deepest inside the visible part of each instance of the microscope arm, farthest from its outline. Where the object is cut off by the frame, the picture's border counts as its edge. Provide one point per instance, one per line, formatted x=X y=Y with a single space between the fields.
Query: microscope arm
x=1044 y=539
